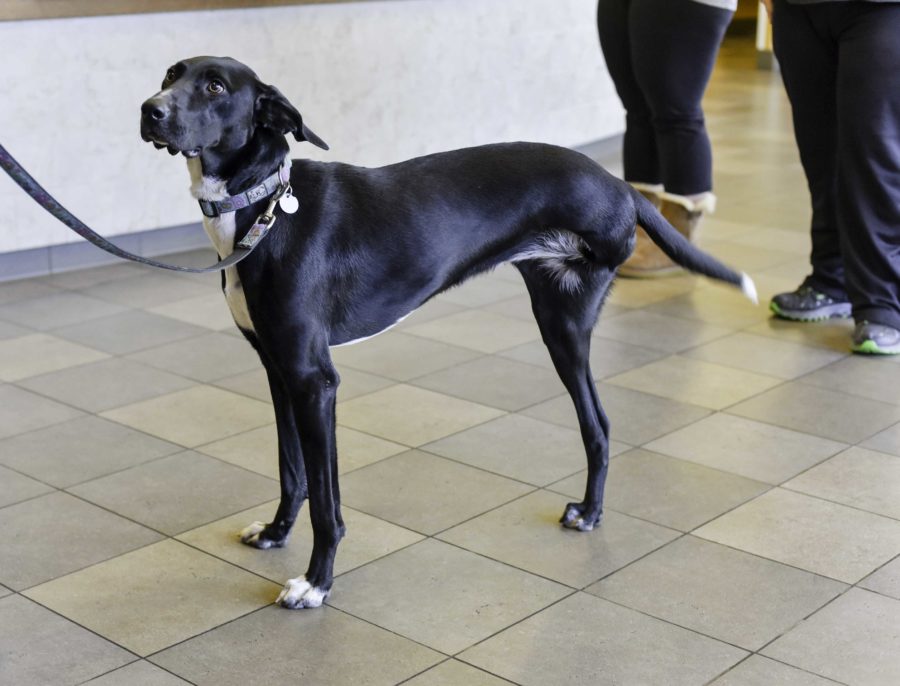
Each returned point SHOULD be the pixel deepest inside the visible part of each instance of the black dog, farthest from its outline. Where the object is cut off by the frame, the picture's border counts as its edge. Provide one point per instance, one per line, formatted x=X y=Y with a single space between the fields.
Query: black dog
x=369 y=246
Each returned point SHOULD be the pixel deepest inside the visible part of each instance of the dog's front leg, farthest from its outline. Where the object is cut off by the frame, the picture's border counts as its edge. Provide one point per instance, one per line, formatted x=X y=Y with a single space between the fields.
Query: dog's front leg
x=290 y=470
x=313 y=391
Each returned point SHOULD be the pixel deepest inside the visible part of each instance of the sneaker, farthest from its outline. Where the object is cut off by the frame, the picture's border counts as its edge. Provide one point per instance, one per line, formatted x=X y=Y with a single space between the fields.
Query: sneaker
x=875 y=339
x=806 y=304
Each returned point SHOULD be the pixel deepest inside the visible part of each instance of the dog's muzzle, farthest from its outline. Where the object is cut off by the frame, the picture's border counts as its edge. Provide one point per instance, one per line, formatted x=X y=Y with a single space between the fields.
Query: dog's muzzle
x=155 y=115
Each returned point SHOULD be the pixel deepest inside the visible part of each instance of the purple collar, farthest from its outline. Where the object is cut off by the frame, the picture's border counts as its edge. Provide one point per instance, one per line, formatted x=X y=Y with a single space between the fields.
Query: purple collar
x=274 y=183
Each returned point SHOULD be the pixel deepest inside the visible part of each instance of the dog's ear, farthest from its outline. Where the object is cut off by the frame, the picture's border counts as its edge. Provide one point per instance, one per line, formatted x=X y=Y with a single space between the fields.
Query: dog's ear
x=274 y=111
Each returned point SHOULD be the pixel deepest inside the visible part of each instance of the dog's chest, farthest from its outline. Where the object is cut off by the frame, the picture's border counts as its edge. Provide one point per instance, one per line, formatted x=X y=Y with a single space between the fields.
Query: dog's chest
x=221 y=232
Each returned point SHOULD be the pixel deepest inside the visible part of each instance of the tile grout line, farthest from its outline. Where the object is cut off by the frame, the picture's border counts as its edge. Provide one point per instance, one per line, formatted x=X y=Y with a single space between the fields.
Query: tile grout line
x=331 y=608
x=85 y=628
x=140 y=660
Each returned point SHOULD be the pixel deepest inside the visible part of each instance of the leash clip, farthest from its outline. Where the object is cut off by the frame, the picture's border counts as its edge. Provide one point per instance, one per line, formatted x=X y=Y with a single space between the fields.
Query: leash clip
x=268 y=217
x=266 y=220
x=263 y=222
x=259 y=229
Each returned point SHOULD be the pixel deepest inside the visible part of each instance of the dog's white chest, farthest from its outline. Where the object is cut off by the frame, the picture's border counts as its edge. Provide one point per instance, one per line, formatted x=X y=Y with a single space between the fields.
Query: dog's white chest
x=221 y=232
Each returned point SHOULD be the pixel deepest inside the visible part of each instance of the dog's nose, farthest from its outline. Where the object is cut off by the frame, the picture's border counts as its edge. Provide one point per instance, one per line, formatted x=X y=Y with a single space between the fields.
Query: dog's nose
x=154 y=109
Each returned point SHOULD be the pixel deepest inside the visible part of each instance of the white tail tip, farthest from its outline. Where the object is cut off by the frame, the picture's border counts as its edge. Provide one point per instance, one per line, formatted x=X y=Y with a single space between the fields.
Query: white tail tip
x=749 y=289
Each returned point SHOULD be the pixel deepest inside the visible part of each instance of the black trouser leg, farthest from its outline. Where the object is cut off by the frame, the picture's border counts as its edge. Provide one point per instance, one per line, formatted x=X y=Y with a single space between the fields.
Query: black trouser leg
x=839 y=62
x=660 y=56
x=808 y=59
x=868 y=173
x=639 y=155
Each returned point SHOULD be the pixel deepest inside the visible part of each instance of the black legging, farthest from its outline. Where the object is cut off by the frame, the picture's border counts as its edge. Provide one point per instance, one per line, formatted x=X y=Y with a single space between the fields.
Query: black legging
x=841 y=67
x=660 y=54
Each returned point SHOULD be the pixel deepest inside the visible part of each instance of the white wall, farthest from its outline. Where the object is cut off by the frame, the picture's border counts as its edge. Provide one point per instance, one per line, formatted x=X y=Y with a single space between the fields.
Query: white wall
x=379 y=81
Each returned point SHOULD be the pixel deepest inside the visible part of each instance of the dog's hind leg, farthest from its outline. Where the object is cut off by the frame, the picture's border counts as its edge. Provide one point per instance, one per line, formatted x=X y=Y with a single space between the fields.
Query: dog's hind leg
x=566 y=315
x=290 y=470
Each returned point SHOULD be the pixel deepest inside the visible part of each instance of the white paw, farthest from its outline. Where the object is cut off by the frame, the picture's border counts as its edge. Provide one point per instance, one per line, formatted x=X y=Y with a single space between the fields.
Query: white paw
x=572 y=519
x=298 y=593
x=578 y=523
x=250 y=535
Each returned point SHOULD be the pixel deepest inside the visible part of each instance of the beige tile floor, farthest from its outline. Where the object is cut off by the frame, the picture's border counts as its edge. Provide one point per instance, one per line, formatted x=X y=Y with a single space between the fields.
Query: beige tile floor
x=752 y=531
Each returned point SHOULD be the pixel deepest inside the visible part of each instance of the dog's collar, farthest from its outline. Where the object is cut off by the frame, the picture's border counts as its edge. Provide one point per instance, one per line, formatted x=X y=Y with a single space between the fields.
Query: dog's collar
x=274 y=183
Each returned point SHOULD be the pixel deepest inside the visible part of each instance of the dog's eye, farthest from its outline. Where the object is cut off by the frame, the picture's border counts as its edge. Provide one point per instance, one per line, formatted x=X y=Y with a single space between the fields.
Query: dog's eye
x=215 y=87
x=170 y=76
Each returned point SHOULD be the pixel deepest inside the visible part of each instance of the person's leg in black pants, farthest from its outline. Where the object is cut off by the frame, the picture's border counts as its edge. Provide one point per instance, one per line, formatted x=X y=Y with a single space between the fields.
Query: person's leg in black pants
x=660 y=57
x=639 y=155
x=807 y=55
x=868 y=174
x=674 y=47
x=839 y=66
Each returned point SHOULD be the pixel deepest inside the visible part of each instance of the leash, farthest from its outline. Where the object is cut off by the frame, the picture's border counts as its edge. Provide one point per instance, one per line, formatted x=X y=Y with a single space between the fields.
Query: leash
x=241 y=250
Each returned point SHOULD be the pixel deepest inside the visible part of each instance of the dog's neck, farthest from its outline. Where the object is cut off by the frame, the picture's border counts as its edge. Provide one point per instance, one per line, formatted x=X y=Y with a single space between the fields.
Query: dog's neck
x=216 y=174
x=203 y=186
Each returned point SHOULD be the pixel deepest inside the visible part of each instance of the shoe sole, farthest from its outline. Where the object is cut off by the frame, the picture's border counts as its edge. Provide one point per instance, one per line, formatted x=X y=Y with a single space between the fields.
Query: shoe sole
x=820 y=314
x=870 y=347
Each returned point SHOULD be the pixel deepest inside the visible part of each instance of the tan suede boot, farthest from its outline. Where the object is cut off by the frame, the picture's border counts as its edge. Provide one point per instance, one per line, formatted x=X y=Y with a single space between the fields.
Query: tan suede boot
x=685 y=213
x=647 y=260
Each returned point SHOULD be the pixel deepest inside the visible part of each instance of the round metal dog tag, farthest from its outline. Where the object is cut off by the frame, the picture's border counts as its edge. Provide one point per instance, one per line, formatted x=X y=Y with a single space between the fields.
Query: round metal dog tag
x=289 y=204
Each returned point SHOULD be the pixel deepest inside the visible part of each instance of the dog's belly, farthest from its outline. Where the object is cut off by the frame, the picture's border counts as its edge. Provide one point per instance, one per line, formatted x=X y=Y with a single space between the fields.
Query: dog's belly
x=338 y=343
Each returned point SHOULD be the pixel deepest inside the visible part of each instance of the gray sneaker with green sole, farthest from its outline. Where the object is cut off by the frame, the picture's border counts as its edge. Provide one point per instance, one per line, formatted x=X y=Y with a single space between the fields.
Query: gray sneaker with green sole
x=875 y=339
x=806 y=304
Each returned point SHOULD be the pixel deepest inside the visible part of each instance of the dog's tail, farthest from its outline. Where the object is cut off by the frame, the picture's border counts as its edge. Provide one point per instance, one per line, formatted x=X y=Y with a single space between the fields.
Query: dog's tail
x=684 y=253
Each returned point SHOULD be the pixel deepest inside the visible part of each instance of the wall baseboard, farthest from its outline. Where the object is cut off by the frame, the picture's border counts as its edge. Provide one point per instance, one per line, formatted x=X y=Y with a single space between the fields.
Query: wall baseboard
x=66 y=257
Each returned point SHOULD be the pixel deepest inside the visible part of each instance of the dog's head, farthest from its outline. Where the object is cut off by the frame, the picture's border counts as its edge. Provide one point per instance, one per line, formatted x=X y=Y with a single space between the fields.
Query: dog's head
x=217 y=103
